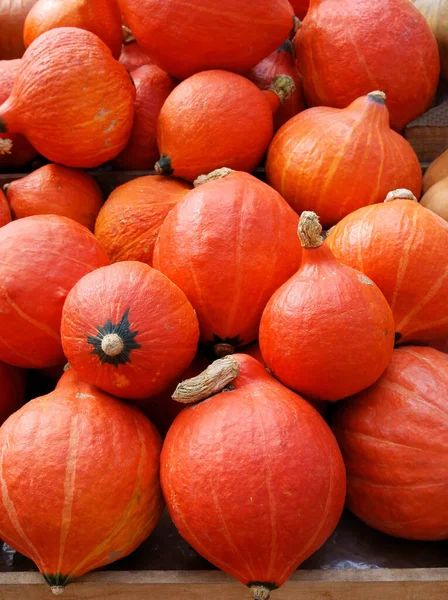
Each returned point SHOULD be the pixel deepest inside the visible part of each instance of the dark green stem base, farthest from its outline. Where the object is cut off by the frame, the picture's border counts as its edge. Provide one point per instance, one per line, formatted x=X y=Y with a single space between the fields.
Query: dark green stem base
x=163 y=165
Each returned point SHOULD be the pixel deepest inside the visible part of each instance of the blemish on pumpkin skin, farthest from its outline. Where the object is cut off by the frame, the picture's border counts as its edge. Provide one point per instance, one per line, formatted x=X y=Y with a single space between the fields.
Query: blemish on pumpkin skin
x=114 y=555
x=363 y=279
x=120 y=381
x=102 y=112
x=111 y=126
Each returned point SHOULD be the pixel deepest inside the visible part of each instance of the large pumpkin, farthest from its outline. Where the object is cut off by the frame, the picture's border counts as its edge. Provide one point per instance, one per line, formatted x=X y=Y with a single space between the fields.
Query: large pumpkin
x=229 y=245
x=394 y=439
x=346 y=48
x=5 y=212
x=252 y=477
x=42 y=257
x=80 y=480
x=333 y=161
x=403 y=248
x=128 y=224
x=12 y=18
x=436 y=14
x=128 y=330
x=12 y=390
x=71 y=99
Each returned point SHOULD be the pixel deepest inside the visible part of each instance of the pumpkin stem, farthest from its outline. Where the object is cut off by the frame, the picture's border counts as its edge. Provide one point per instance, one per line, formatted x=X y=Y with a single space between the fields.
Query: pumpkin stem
x=260 y=592
x=401 y=194
x=6 y=188
x=283 y=86
x=296 y=25
x=309 y=230
x=5 y=146
x=222 y=350
x=57 y=590
x=211 y=381
x=378 y=96
x=128 y=36
x=112 y=344
x=163 y=166
x=216 y=174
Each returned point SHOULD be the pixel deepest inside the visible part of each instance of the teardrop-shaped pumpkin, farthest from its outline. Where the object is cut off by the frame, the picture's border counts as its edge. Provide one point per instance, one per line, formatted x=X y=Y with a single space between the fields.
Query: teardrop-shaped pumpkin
x=253 y=477
x=101 y=17
x=5 y=213
x=394 y=439
x=129 y=222
x=80 y=480
x=346 y=48
x=403 y=248
x=12 y=390
x=328 y=332
x=436 y=199
x=436 y=171
x=71 y=99
x=229 y=245
x=56 y=190
x=436 y=15
x=42 y=257
x=333 y=161
x=128 y=330
x=12 y=18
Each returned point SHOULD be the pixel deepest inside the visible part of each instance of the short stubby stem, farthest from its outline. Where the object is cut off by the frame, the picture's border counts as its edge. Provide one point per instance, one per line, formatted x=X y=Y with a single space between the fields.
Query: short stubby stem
x=5 y=146
x=112 y=344
x=260 y=592
x=57 y=590
x=213 y=176
x=310 y=230
x=401 y=194
x=163 y=166
x=211 y=381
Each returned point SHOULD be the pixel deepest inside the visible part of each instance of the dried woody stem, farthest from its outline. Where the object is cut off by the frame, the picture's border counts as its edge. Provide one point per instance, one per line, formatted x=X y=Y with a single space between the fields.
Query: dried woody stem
x=216 y=174
x=260 y=592
x=401 y=194
x=5 y=146
x=309 y=230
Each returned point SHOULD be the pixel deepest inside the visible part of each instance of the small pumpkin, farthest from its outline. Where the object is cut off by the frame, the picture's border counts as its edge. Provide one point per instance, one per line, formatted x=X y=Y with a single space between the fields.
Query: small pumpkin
x=101 y=17
x=5 y=213
x=252 y=467
x=129 y=222
x=229 y=245
x=12 y=18
x=436 y=199
x=334 y=161
x=42 y=258
x=436 y=14
x=56 y=190
x=12 y=390
x=403 y=248
x=80 y=480
x=71 y=99
x=328 y=332
x=436 y=171
x=128 y=330
x=394 y=439
x=133 y=57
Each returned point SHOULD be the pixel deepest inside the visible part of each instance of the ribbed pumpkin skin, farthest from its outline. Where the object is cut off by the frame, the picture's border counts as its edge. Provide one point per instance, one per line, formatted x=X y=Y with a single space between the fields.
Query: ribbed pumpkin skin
x=12 y=390
x=133 y=57
x=94 y=466
x=436 y=199
x=394 y=439
x=300 y=7
x=101 y=17
x=42 y=259
x=403 y=248
x=5 y=213
x=12 y=18
x=79 y=116
x=436 y=171
x=56 y=190
x=281 y=494
x=334 y=161
x=436 y=14
x=153 y=86
x=158 y=323
x=129 y=222
x=184 y=39
x=204 y=125
x=229 y=245
x=346 y=48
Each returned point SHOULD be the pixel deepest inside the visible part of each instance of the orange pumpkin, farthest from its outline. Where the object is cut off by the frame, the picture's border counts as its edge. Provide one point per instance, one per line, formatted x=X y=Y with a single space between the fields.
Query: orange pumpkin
x=153 y=86
x=133 y=57
x=403 y=248
x=71 y=99
x=333 y=161
x=12 y=390
x=129 y=222
x=56 y=190
x=128 y=330
x=300 y=7
x=346 y=48
x=229 y=245
x=42 y=258
x=5 y=213
x=80 y=480
x=436 y=198
x=12 y=18
x=101 y=17
x=436 y=171
x=328 y=332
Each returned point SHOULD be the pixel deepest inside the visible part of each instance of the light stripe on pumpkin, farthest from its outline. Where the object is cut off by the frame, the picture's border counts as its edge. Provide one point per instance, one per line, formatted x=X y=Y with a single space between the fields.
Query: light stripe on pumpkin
x=25 y=317
x=410 y=395
x=403 y=264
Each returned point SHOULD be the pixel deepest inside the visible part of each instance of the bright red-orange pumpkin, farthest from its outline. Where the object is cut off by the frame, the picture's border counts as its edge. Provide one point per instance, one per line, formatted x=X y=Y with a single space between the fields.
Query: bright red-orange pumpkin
x=256 y=510
x=333 y=161
x=328 y=332
x=128 y=224
x=184 y=39
x=394 y=439
x=133 y=57
x=12 y=18
x=403 y=248
x=153 y=86
x=5 y=213
x=12 y=390
x=300 y=7
x=94 y=466
x=42 y=259
x=101 y=17
x=128 y=330
x=346 y=48
x=56 y=190
x=71 y=99
x=229 y=245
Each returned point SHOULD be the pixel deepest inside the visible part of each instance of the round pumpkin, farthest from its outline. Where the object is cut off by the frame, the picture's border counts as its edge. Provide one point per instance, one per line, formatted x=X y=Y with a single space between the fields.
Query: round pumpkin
x=436 y=171
x=229 y=245
x=42 y=259
x=12 y=18
x=394 y=439
x=254 y=467
x=128 y=224
x=128 y=330
x=12 y=390
x=80 y=480
x=56 y=190
x=403 y=248
x=328 y=332
x=101 y=17
x=436 y=199
x=5 y=213
x=334 y=161
x=153 y=86
x=71 y=99
x=436 y=14
x=133 y=57
x=346 y=48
